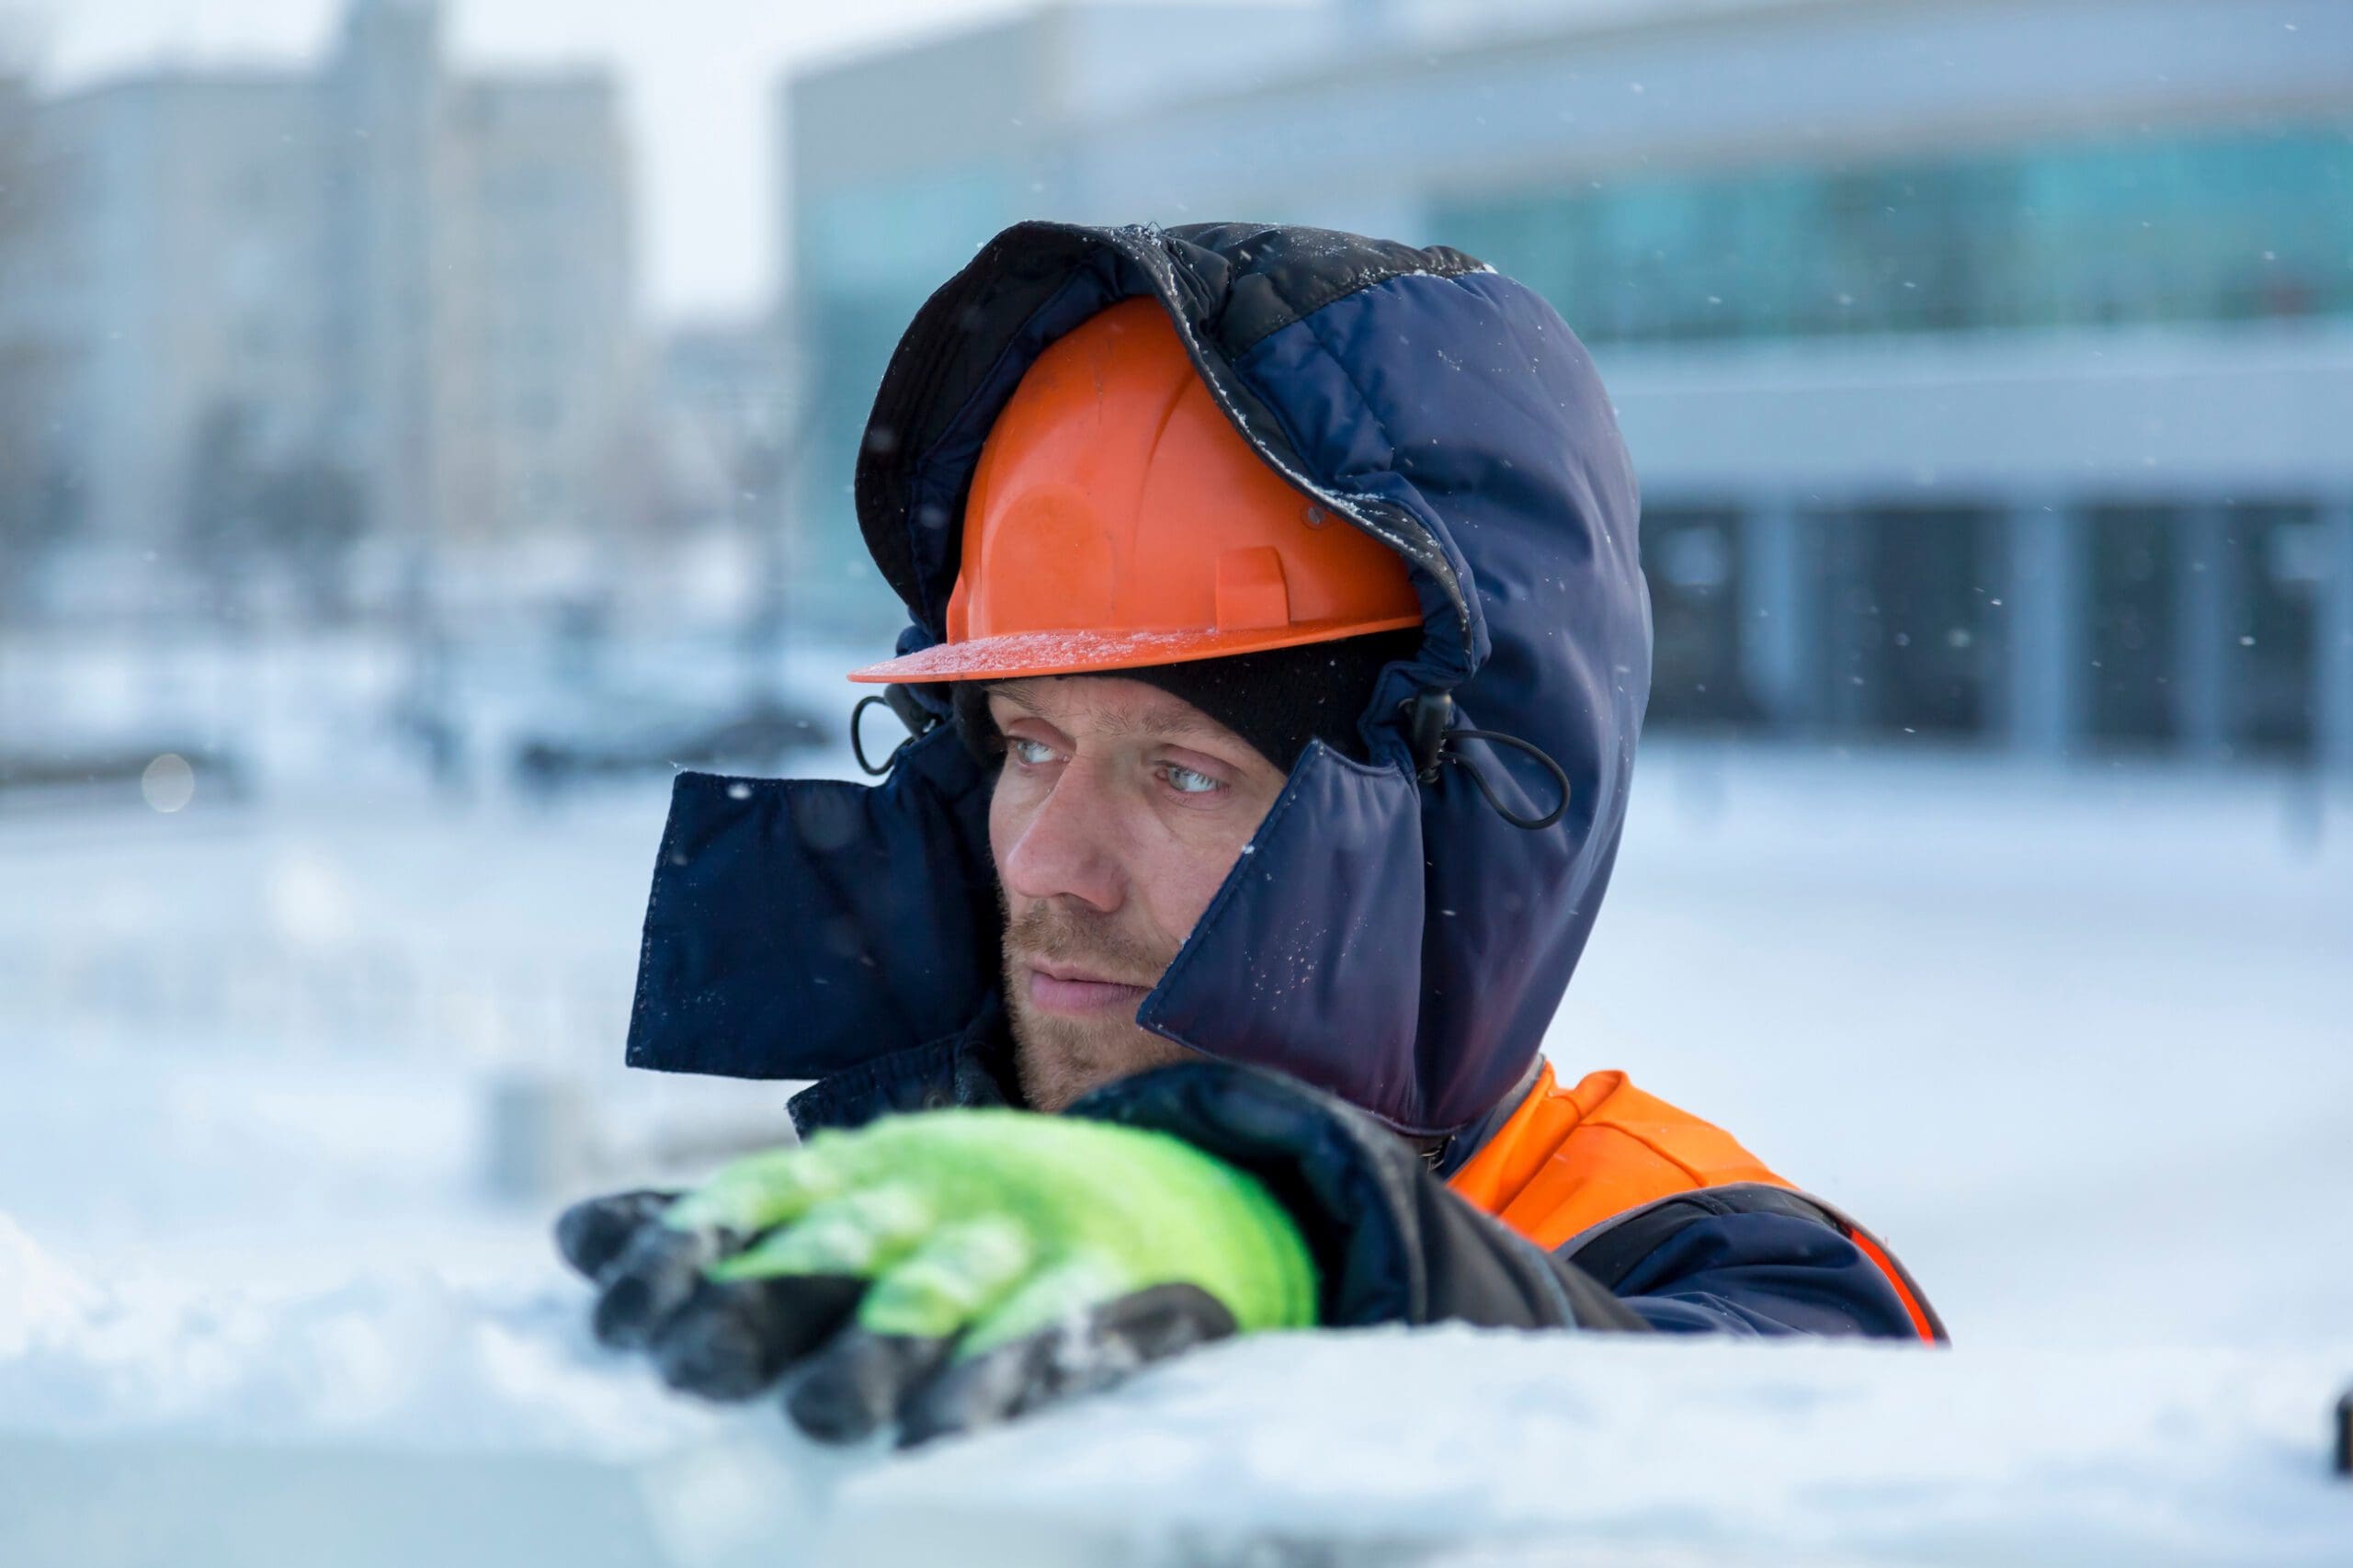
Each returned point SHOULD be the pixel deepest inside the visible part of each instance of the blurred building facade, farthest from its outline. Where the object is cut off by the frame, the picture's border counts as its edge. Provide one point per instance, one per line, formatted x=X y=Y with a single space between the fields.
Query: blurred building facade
x=1988 y=365
x=298 y=311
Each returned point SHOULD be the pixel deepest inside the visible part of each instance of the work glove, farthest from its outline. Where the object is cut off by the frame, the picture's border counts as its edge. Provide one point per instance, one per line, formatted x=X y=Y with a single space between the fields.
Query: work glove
x=945 y=1270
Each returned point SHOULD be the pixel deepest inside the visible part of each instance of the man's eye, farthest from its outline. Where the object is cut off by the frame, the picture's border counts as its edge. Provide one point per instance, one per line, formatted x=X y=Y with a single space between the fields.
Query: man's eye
x=1032 y=753
x=1185 y=782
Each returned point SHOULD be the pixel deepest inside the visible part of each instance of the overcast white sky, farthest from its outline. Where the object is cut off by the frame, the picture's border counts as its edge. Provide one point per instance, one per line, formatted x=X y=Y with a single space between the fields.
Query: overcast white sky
x=697 y=75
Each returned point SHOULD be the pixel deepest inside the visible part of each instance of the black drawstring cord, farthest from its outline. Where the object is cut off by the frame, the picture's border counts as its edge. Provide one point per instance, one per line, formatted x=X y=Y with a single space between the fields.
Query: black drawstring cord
x=1493 y=737
x=1425 y=726
x=899 y=701
x=857 y=746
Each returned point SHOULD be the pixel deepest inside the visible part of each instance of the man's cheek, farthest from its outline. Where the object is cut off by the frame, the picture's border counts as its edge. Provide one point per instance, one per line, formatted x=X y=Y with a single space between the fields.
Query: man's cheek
x=1180 y=894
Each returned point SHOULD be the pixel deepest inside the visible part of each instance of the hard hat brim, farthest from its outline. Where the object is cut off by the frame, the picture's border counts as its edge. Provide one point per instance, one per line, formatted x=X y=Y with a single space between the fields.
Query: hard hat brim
x=1018 y=655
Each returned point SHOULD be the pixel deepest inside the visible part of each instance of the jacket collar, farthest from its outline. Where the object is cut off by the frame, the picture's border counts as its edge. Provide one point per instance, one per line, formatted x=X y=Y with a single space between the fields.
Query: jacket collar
x=970 y=1069
x=1460 y=1148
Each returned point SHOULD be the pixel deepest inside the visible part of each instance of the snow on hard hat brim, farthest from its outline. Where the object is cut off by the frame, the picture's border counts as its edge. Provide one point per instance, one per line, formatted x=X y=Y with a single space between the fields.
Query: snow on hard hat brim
x=1017 y=655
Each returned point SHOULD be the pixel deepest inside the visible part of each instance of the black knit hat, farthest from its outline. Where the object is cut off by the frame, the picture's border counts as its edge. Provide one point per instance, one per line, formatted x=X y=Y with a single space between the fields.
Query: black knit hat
x=1277 y=700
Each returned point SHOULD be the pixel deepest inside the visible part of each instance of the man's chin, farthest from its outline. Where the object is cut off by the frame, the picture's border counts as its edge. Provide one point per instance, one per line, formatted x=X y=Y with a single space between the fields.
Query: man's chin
x=1061 y=1059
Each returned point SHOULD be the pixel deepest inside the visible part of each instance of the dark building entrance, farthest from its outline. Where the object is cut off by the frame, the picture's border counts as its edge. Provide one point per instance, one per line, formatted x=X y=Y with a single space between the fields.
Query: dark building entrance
x=1913 y=635
x=2134 y=697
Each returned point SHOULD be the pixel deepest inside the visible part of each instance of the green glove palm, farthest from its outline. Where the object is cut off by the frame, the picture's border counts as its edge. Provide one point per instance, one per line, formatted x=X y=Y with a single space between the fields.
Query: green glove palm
x=947 y=1269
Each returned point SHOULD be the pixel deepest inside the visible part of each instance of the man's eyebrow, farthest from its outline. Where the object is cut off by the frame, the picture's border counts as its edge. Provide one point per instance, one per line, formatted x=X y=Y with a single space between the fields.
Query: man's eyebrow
x=1013 y=694
x=1173 y=717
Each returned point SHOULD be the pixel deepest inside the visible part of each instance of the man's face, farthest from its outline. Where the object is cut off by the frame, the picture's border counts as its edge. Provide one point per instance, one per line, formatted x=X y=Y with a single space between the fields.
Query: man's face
x=1120 y=810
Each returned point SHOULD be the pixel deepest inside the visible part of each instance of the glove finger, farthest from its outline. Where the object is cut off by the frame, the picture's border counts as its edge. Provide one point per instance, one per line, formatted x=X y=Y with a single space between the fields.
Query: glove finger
x=660 y=1268
x=759 y=1192
x=657 y=1273
x=733 y=1338
x=861 y=1232
x=593 y=1233
x=1070 y=1355
x=960 y=1273
x=906 y=1325
x=858 y=1382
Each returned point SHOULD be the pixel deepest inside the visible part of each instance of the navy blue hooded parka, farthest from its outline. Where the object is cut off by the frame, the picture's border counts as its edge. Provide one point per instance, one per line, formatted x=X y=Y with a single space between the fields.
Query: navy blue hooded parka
x=1392 y=946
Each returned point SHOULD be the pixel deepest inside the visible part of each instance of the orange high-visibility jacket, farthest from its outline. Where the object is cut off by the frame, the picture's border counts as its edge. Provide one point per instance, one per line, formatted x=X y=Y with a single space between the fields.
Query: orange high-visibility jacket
x=1575 y=1169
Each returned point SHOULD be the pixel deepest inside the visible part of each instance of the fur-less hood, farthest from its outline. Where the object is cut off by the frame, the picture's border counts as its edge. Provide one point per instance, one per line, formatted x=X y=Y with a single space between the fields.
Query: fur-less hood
x=1389 y=935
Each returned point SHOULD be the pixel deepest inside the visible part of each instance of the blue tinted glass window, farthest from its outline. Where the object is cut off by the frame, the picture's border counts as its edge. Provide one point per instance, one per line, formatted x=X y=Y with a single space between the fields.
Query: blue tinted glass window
x=2219 y=228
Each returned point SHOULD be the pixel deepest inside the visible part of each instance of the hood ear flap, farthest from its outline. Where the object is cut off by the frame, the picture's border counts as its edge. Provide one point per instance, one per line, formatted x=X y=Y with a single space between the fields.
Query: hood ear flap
x=801 y=927
x=1315 y=959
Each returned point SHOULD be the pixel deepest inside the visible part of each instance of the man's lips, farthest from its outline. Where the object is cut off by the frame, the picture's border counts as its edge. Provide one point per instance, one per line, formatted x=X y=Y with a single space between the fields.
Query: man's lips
x=1057 y=988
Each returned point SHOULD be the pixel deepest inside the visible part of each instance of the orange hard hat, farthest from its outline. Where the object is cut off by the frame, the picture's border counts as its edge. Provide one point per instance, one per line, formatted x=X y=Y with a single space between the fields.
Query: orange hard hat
x=1116 y=519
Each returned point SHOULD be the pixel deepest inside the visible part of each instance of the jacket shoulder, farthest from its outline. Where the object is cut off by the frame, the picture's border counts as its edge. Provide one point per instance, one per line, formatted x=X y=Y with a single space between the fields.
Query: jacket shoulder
x=1614 y=1179
x=1571 y=1159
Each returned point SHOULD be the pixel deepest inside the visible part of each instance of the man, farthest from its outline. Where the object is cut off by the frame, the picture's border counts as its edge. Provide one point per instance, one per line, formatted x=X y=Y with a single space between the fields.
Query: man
x=1279 y=647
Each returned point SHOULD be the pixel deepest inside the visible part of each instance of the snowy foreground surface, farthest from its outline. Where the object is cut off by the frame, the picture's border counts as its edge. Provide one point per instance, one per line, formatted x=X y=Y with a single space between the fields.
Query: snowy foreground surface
x=2075 y=1041
x=404 y=1422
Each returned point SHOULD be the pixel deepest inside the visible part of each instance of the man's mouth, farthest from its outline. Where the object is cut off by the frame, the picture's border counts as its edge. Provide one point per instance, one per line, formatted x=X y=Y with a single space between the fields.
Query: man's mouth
x=1075 y=992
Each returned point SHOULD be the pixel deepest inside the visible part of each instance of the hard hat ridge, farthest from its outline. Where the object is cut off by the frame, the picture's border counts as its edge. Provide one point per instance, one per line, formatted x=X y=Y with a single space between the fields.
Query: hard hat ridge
x=1116 y=521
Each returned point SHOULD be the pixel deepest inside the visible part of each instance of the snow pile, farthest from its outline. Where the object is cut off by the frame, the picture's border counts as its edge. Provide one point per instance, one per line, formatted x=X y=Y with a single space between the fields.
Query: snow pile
x=1389 y=1445
x=1378 y=1448
x=402 y=1360
x=39 y=1296
x=1374 y=1447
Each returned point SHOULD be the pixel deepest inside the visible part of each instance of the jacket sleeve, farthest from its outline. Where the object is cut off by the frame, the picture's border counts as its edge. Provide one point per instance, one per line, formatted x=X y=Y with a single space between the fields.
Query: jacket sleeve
x=1391 y=1243
x=1747 y=1260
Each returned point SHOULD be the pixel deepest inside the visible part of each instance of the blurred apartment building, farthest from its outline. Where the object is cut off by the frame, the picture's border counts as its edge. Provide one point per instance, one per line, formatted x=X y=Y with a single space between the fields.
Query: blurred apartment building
x=297 y=310
x=1988 y=364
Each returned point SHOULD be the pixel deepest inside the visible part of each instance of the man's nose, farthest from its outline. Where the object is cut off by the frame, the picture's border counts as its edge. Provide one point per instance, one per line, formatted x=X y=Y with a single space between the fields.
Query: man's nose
x=1070 y=846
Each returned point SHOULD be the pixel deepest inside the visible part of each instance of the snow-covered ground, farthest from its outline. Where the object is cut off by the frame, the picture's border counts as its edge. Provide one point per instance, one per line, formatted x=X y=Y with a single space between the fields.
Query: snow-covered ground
x=2074 y=1041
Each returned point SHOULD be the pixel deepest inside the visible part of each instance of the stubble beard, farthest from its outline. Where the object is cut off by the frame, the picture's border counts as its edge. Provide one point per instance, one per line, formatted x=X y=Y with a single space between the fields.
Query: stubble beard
x=1058 y=1057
